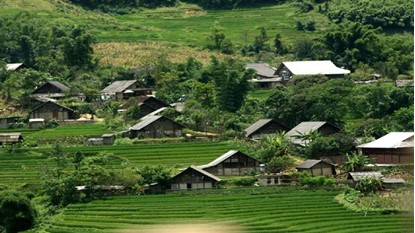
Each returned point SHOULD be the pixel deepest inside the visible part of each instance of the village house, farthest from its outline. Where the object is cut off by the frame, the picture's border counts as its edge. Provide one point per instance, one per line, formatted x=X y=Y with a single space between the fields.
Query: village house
x=10 y=138
x=265 y=75
x=51 y=110
x=155 y=127
x=232 y=163
x=273 y=179
x=15 y=66
x=264 y=127
x=317 y=167
x=108 y=139
x=194 y=178
x=322 y=127
x=50 y=89
x=125 y=89
x=287 y=70
x=36 y=123
x=393 y=148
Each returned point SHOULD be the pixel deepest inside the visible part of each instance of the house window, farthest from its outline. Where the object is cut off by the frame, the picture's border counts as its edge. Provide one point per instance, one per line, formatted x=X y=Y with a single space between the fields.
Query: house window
x=268 y=180
x=189 y=186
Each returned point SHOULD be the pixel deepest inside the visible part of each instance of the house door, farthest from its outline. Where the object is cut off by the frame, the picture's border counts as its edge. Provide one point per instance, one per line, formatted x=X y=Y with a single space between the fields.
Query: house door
x=55 y=115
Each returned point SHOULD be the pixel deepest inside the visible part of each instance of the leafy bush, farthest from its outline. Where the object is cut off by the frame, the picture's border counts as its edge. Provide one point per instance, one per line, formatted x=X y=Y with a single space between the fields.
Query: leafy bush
x=123 y=141
x=244 y=181
x=368 y=185
x=307 y=180
x=52 y=123
x=279 y=164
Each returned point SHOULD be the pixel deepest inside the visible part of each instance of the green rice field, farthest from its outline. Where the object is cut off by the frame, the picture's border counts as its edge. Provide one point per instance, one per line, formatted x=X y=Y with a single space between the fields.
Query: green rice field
x=26 y=168
x=259 y=210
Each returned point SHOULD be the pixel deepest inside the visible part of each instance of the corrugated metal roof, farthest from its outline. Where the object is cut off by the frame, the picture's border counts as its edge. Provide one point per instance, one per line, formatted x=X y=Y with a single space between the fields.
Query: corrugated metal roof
x=156 y=112
x=145 y=121
x=202 y=172
x=262 y=69
x=13 y=66
x=69 y=109
x=303 y=128
x=393 y=181
x=258 y=125
x=222 y=158
x=310 y=163
x=356 y=176
x=314 y=68
x=118 y=86
x=392 y=140
x=59 y=85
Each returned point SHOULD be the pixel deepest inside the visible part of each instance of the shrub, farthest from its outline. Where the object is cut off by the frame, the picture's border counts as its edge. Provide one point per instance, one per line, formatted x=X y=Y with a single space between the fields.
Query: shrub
x=278 y=164
x=244 y=181
x=368 y=185
x=123 y=141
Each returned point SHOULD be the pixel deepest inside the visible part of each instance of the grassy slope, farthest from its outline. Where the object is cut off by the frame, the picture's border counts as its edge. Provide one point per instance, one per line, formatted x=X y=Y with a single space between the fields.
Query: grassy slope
x=177 y=32
x=26 y=168
x=262 y=210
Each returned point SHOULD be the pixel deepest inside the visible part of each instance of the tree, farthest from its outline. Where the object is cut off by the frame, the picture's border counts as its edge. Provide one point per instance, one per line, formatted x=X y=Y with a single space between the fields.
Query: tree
x=155 y=174
x=16 y=212
x=272 y=146
x=280 y=49
x=77 y=48
x=217 y=40
x=368 y=185
x=355 y=162
x=261 y=41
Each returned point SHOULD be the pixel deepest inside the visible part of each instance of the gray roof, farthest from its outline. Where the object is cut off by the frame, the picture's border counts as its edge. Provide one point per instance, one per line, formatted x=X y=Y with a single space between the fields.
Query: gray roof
x=356 y=176
x=304 y=128
x=157 y=112
x=202 y=172
x=262 y=69
x=69 y=109
x=222 y=158
x=145 y=121
x=310 y=163
x=392 y=140
x=118 y=86
x=59 y=85
x=258 y=125
x=107 y=135
x=393 y=181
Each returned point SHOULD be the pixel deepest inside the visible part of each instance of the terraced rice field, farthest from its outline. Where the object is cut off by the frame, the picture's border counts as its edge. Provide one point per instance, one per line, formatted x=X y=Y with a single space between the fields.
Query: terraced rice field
x=259 y=210
x=26 y=168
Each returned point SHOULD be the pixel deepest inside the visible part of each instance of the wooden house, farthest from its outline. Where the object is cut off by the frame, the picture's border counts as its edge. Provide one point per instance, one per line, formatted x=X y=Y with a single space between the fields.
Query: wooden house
x=317 y=167
x=125 y=89
x=5 y=122
x=194 y=178
x=265 y=75
x=232 y=163
x=10 y=138
x=307 y=127
x=51 y=89
x=273 y=179
x=287 y=70
x=264 y=127
x=156 y=127
x=51 y=110
x=393 y=148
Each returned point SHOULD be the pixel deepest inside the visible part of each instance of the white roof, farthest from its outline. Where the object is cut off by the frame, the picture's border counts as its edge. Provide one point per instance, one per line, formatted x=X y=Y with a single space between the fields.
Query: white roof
x=13 y=66
x=37 y=120
x=314 y=68
x=392 y=140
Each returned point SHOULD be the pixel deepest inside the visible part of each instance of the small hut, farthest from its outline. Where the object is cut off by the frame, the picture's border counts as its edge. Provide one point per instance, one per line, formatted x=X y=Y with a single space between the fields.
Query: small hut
x=36 y=123
x=108 y=139
x=51 y=110
x=10 y=138
x=317 y=167
x=156 y=127
x=354 y=177
x=194 y=178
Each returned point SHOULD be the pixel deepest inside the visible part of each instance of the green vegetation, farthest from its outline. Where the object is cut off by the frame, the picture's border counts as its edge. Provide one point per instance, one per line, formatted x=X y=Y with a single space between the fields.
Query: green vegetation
x=254 y=209
x=26 y=168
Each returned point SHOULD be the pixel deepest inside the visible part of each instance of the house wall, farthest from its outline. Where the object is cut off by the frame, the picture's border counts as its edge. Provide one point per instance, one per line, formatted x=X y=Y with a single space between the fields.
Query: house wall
x=5 y=122
x=51 y=111
x=159 y=129
x=390 y=156
x=155 y=104
x=145 y=110
x=191 y=179
x=236 y=165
